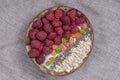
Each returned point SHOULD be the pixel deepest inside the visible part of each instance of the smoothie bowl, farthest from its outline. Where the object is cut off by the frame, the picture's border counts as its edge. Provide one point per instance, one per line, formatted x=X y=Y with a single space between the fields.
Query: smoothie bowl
x=59 y=40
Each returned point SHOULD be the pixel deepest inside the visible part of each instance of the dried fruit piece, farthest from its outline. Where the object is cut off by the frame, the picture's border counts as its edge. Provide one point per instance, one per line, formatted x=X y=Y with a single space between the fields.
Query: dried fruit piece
x=41 y=35
x=74 y=30
x=65 y=20
x=36 y=44
x=71 y=40
x=82 y=31
x=50 y=15
x=58 y=13
x=84 y=26
x=48 y=27
x=64 y=41
x=52 y=59
x=56 y=23
x=51 y=35
x=68 y=44
x=76 y=35
x=66 y=28
x=80 y=20
x=37 y=24
x=57 y=40
x=33 y=53
x=47 y=50
x=54 y=47
x=58 y=50
x=40 y=59
x=54 y=53
x=48 y=42
x=59 y=30
x=62 y=47
x=33 y=33
x=47 y=63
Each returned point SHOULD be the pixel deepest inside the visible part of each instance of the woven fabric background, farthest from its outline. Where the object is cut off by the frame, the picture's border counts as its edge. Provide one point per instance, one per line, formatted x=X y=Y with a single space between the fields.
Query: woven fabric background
x=104 y=61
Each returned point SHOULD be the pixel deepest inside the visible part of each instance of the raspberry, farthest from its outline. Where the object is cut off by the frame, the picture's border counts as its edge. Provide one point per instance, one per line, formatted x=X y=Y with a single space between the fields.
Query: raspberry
x=49 y=42
x=66 y=28
x=33 y=33
x=46 y=50
x=56 y=23
x=48 y=27
x=57 y=40
x=50 y=15
x=33 y=53
x=51 y=35
x=58 y=13
x=80 y=20
x=59 y=30
x=44 y=20
x=72 y=14
x=36 y=44
x=40 y=59
x=41 y=35
x=67 y=34
x=74 y=24
x=65 y=20
x=37 y=24
x=74 y=30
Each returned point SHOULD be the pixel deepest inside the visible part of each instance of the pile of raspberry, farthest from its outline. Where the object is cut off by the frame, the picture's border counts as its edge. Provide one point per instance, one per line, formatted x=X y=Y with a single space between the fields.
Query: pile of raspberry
x=50 y=29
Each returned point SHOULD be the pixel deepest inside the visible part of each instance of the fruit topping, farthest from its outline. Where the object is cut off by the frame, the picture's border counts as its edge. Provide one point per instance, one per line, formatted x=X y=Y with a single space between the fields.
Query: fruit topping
x=33 y=33
x=41 y=35
x=33 y=53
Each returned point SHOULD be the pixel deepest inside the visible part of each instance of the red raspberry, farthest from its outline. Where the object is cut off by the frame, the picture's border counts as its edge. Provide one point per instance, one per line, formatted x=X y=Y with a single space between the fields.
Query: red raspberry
x=41 y=35
x=48 y=27
x=59 y=30
x=50 y=15
x=47 y=50
x=37 y=24
x=67 y=34
x=56 y=23
x=40 y=59
x=80 y=20
x=72 y=14
x=74 y=30
x=74 y=24
x=65 y=20
x=51 y=35
x=57 y=40
x=44 y=20
x=33 y=53
x=66 y=28
x=58 y=13
x=49 y=42
x=36 y=44
x=33 y=33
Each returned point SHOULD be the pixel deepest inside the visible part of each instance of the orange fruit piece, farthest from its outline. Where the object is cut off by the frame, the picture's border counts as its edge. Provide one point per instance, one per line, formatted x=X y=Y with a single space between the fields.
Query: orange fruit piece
x=62 y=47
x=54 y=47
x=52 y=59
x=68 y=44
x=84 y=26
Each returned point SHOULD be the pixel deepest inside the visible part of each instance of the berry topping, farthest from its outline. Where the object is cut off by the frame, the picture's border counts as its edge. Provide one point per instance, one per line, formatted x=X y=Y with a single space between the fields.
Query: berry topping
x=80 y=20
x=50 y=15
x=36 y=44
x=74 y=30
x=40 y=59
x=48 y=42
x=41 y=35
x=47 y=50
x=44 y=20
x=48 y=27
x=66 y=20
x=59 y=30
x=57 y=40
x=67 y=34
x=56 y=23
x=58 y=13
x=51 y=35
x=37 y=24
x=33 y=53
x=66 y=28
x=72 y=14
x=33 y=33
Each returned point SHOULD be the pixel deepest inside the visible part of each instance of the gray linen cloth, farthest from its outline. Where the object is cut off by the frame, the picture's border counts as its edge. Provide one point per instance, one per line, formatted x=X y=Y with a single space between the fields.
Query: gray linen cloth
x=104 y=61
